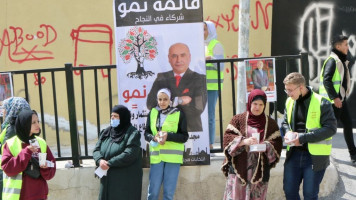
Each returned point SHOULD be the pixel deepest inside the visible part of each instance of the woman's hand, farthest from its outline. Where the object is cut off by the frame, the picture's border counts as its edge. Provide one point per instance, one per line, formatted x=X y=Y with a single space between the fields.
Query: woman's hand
x=249 y=141
x=44 y=166
x=104 y=164
x=32 y=148
x=163 y=138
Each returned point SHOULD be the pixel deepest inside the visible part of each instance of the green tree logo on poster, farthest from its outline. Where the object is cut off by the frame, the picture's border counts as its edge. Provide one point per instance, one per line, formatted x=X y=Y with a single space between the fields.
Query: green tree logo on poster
x=140 y=45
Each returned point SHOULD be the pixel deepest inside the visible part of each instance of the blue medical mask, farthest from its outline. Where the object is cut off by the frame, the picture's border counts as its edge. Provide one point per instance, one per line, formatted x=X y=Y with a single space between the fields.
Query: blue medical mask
x=153 y=143
x=115 y=122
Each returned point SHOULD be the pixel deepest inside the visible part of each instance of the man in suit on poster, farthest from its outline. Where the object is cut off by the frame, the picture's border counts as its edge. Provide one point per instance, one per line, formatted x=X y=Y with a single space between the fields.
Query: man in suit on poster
x=260 y=77
x=188 y=88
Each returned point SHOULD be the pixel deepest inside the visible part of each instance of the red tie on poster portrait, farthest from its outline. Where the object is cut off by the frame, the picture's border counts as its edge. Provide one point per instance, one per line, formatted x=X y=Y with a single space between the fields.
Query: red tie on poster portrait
x=178 y=77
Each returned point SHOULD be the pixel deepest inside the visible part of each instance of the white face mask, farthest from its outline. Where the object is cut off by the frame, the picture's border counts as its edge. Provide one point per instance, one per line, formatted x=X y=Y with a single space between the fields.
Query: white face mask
x=115 y=122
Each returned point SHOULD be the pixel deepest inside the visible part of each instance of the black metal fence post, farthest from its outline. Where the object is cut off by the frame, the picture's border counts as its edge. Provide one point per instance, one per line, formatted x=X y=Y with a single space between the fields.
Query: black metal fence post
x=74 y=137
x=305 y=65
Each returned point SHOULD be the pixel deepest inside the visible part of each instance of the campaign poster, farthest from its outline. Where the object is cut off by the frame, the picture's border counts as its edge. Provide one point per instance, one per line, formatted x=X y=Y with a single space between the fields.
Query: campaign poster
x=155 y=41
x=260 y=74
x=6 y=89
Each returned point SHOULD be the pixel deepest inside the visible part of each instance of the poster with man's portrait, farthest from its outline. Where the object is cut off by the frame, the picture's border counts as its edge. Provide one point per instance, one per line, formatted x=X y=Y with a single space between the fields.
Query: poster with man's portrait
x=6 y=90
x=260 y=74
x=161 y=46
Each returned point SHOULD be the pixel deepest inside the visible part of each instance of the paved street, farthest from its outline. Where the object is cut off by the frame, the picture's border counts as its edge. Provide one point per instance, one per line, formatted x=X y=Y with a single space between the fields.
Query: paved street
x=346 y=187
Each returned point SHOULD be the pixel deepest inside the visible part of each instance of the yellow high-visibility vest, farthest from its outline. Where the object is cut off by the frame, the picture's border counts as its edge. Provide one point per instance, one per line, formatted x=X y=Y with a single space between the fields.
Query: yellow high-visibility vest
x=336 y=78
x=12 y=185
x=171 y=152
x=312 y=122
x=212 y=70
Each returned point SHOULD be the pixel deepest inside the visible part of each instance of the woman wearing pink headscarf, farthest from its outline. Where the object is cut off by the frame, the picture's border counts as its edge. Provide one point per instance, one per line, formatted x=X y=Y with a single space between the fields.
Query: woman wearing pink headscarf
x=248 y=171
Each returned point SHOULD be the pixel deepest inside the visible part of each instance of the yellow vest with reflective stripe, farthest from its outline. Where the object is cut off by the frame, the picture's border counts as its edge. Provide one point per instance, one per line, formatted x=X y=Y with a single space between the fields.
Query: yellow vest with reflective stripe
x=171 y=152
x=312 y=122
x=336 y=78
x=2 y=137
x=211 y=69
x=12 y=185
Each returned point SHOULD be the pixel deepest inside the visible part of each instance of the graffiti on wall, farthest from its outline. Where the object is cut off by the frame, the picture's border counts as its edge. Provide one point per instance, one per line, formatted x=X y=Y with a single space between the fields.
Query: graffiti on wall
x=24 y=46
x=21 y=47
x=228 y=22
x=315 y=35
x=95 y=34
x=232 y=18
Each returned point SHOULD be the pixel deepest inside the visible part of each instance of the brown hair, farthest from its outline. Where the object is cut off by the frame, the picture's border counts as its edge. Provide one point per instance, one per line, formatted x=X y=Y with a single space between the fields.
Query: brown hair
x=294 y=78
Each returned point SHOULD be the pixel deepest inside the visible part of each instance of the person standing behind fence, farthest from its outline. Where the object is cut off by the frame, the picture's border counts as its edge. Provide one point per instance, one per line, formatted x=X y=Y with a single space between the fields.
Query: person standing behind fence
x=24 y=177
x=309 y=124
x=213 y=50
x=118 y=151
x=11 y=108
x=166 y=131
x=248 y=172
x=335 y=84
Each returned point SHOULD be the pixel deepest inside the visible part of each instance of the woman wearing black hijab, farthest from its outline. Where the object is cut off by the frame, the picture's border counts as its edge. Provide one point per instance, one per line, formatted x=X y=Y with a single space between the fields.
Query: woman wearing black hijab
x=19 y=158
x=118 y=151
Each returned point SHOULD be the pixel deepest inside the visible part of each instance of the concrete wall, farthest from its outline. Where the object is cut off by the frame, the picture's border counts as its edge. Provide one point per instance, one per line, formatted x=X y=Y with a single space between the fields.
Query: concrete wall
x=195 y=183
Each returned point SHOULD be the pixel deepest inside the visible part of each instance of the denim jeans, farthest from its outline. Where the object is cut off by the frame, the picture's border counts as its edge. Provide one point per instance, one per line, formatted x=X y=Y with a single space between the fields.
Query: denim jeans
x=166 y=173
x=212 y=98
x=297 y=168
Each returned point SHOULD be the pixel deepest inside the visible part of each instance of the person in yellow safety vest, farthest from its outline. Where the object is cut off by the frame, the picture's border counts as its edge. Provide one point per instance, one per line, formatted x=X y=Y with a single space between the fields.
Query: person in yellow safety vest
x=11 y=108
x=166 y=131
x=22 y=178
x=335 y=84
x=213 y=50
x=309 y=124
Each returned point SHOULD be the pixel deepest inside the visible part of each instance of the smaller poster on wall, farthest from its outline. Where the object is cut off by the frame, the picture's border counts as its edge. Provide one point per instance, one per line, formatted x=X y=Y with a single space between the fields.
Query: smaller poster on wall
x=6 y=90
x=260 y=74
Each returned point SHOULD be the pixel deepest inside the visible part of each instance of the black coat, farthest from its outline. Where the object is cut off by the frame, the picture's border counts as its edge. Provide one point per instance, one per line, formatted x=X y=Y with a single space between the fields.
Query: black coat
x=193 y=85
x=328 y=129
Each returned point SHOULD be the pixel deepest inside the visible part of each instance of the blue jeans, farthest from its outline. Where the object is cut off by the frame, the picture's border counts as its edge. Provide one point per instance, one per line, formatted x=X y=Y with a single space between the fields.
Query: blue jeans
x=212 y=98
x=166 y=173
x=298 y=167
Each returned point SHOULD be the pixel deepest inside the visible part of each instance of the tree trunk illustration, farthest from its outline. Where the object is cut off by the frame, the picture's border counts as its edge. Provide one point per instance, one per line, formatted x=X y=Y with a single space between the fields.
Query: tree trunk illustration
x=140 y=70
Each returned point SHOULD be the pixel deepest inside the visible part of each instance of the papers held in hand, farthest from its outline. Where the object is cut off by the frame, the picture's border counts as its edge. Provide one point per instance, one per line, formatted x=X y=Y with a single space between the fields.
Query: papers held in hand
x=258 y=148
x=100 y=172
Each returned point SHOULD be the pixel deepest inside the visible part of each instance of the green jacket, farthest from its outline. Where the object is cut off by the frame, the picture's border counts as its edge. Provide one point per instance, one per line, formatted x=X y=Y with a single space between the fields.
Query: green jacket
x=124 y=177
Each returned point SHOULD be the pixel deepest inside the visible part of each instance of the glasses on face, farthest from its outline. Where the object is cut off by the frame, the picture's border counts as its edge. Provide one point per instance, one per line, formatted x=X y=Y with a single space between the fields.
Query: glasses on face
x=290 y=91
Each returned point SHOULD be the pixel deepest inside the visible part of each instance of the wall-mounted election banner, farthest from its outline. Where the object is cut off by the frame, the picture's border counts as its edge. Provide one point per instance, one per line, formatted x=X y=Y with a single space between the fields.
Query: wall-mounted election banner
x=260 y=74
x=155 y=42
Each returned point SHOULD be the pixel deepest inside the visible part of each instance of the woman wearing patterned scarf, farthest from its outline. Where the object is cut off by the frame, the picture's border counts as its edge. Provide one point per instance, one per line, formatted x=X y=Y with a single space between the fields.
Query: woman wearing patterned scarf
x=248 y=172
x=12 y=107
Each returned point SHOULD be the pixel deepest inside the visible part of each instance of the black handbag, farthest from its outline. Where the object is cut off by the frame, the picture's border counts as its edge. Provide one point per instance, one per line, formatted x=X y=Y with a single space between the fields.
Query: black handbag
x=33 y=168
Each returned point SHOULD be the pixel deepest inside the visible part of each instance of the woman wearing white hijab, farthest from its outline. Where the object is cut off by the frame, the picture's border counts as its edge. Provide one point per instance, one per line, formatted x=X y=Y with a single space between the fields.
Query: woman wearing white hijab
x=166 y=131
x=213 y=50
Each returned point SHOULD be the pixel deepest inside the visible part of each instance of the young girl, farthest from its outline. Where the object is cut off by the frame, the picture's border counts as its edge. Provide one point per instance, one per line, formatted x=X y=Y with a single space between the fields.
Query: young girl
x=166 y=130
x=23 y=179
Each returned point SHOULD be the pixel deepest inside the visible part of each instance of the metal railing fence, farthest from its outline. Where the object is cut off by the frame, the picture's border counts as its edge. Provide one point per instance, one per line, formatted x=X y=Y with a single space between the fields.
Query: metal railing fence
x=287 y=63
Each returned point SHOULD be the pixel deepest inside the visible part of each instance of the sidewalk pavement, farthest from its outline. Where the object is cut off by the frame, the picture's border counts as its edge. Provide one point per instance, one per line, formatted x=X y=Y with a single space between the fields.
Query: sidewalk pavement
x=346 y=187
